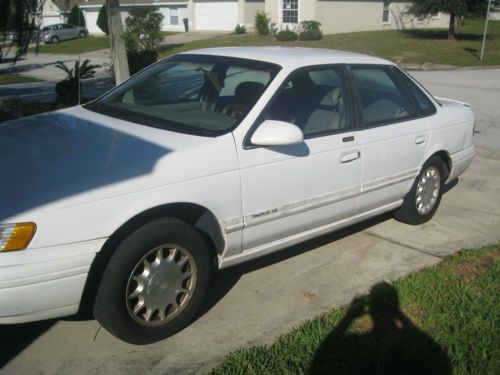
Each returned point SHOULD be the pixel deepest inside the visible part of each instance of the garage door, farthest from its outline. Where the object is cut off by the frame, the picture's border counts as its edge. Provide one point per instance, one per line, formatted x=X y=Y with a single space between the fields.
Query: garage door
x=216 y=15
x=91 y=21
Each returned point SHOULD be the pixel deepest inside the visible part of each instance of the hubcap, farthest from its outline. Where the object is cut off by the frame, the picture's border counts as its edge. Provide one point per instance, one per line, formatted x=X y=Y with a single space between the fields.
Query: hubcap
x=161 y=285
x=428 y=190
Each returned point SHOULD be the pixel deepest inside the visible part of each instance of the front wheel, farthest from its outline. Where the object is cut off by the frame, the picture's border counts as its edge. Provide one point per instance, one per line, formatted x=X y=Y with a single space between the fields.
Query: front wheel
x=422 y=201
x=154 y=282
x=82 y=34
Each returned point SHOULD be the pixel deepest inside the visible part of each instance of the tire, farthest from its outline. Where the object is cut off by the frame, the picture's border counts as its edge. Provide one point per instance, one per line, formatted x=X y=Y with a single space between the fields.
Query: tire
x=54 y=40
x=82 y=34
x=414 y=213
x=124 y=283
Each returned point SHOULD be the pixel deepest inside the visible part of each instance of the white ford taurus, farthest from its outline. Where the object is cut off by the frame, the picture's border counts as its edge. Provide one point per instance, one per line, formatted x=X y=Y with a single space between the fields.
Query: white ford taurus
x=211 y=157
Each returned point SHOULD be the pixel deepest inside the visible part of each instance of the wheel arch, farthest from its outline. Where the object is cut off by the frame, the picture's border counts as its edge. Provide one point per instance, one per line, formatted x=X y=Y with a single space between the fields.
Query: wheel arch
x=195 y=215
x=445 y=158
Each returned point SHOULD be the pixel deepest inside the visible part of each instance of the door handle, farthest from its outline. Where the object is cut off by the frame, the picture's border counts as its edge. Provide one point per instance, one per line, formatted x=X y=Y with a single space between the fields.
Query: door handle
x=346 y=157
x=420 y=139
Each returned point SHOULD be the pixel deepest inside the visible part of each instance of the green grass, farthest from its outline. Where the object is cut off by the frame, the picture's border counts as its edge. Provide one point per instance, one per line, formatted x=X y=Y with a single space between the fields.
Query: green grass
x=75 y=46
x=6 y=79
x=440 y=320
x=406 y=47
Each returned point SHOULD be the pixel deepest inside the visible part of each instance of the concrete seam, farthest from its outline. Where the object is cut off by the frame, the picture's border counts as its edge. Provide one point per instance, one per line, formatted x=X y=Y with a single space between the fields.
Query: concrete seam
x=395 y=242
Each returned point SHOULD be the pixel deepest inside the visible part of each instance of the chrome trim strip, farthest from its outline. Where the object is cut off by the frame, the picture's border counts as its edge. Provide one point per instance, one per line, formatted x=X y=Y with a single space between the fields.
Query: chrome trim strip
x=390 y=180
x=264 y=216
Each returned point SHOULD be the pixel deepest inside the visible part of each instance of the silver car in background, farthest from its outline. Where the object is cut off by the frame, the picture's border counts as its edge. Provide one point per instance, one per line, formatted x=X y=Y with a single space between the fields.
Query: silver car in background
x=63 y=31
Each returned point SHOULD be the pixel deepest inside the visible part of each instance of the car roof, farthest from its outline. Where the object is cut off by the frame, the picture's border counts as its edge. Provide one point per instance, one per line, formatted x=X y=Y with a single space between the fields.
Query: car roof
x=292 y=57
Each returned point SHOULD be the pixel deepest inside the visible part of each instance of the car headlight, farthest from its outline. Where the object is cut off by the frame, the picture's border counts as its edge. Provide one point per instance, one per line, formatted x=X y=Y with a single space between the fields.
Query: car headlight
x=16 y=236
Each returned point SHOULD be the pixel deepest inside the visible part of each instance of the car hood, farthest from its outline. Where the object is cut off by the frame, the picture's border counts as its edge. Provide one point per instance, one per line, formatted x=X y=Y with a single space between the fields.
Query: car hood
x=76 y=155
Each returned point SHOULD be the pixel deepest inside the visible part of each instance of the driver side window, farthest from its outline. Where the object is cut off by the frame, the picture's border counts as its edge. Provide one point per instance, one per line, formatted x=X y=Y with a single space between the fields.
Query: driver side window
x=315 y=100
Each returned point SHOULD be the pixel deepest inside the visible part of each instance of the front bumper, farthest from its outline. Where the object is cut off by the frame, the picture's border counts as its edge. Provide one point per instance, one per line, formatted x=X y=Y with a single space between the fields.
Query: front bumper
x=44 y=283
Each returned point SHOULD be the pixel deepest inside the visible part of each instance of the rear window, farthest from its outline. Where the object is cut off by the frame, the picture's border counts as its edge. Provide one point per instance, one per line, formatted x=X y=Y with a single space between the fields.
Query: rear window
x=423 y=102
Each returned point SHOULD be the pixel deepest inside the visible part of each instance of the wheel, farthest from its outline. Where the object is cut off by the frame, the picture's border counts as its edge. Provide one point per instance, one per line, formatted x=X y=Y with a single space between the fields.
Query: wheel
x=54 y=39
x=422 y=201
x=82 y=34
x=154 y=282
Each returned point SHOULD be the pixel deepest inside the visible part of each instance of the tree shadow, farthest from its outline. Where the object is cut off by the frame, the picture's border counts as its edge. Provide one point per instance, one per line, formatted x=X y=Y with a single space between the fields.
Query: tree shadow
x=385 y=343
x=473 y=51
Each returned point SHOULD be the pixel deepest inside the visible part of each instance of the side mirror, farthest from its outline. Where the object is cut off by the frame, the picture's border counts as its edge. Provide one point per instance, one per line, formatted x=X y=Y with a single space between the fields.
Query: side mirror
x=277 y=133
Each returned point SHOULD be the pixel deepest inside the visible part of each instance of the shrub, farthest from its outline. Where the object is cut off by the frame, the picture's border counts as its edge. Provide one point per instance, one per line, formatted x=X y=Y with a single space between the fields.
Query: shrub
x=68 y=89
x=310 y=35
x=138 y=60
x=310 y=30
x=102 y=20
x=240 y=29
x=286 y=35
x=262 y=23
x=143 y=29
x=76 y=17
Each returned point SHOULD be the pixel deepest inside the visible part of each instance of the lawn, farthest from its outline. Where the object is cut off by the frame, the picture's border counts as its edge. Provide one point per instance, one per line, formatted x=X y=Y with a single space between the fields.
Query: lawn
x=74 y=46
x=444 y=319
x=6 y=79
x=406 y=46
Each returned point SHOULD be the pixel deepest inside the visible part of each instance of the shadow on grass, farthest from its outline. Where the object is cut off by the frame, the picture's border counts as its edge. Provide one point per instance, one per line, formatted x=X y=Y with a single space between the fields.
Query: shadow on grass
x=166 y=48
x=473 y=51
x=433 y=34
x=386 y=342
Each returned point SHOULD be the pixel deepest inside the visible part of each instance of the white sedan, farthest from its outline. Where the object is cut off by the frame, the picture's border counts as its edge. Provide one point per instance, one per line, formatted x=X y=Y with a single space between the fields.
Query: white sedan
x=205 y=160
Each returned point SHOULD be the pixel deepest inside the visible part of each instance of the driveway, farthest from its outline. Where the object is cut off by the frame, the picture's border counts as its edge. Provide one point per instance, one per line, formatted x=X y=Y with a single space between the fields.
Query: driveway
x=253 y=303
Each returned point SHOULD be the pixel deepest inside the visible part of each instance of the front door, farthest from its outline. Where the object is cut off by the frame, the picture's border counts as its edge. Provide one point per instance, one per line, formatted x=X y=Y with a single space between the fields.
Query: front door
x=290 y=190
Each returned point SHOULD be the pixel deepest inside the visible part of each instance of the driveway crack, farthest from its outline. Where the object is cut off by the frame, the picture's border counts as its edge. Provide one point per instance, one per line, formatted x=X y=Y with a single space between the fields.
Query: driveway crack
x=395 y=242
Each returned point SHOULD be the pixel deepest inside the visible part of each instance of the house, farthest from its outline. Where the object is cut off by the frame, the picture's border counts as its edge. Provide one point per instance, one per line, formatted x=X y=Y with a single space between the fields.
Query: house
x=223 y=15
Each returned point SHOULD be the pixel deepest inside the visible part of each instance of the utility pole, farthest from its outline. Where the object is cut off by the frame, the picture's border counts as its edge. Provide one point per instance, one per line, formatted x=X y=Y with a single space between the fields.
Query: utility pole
x=485 y=29
x=118 y=50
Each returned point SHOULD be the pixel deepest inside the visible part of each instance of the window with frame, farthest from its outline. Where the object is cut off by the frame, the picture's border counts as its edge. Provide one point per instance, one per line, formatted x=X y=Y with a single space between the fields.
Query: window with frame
x=315 y=100
x=174 y=15
x=386 y=14
x=424 y=104
x=382 y=100
x=290 y=11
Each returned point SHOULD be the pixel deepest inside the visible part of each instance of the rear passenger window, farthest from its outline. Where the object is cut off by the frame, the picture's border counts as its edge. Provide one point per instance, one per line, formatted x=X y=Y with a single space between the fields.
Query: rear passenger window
x=424 y=104
x=315 y=100
x=382 y=101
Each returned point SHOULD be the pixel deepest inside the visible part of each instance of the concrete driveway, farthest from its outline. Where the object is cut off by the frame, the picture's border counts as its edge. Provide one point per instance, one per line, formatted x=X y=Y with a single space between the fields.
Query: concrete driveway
x=253 y=303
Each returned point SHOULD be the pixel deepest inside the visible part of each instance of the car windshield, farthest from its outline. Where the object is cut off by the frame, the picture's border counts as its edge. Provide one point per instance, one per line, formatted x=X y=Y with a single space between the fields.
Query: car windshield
x=195 y=94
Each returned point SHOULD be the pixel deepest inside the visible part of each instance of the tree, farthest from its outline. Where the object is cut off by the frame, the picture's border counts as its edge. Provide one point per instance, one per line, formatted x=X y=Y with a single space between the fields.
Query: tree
x=21 y=16
x=143 y=29
x=76 y=17
x=118 y=50
x=455 y=8
x=102 y=20
x=428 y=8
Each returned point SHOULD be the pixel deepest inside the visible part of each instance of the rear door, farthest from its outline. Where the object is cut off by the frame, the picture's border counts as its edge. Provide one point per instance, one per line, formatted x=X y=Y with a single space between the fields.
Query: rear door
x=394 y=135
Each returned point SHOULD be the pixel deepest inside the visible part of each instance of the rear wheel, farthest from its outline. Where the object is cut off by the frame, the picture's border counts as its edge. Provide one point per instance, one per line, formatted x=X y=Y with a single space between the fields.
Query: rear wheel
x=422 y=201
x=54 y=39
x=154 y=282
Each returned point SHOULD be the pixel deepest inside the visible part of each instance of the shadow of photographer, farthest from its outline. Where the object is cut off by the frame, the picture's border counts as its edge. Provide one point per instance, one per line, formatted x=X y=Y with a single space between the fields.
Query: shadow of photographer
x=386 y=342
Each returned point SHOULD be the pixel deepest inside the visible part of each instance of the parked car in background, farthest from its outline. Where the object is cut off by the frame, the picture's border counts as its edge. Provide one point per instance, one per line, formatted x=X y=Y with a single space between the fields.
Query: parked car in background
x=207 y=159
x=63 y=31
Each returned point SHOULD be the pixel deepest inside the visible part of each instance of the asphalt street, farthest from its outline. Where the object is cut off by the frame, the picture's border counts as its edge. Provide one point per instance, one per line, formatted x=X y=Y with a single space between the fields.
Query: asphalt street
x=253 y=303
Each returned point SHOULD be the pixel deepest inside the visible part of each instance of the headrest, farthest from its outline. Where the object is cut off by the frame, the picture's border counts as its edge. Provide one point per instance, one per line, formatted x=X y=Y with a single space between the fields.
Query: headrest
x=332 y=98
x=248 y=92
